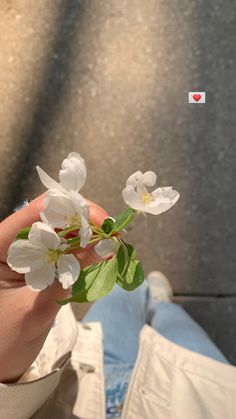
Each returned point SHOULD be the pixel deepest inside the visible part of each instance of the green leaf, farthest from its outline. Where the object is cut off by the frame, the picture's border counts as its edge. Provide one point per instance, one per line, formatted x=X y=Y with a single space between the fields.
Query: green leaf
x=130 y=274
x=94 y=282
x=131 y=250
x=105 y=281
x=23 y=234
x=81 y=286
x=86 y=278
x=123 y=219
x=134 y=276
x=108 y=225
x=123 y=256
x=122 y=260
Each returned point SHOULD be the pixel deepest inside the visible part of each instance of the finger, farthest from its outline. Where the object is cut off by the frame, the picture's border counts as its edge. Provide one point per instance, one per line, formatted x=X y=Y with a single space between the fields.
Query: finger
x=96 y=213
x=10 y=279
x=16 y=222
x=90 y=257
x=87 y=256
x=29 y=215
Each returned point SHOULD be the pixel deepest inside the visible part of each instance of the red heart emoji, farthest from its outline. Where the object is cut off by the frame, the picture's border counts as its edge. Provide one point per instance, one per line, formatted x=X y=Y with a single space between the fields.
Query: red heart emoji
x=197 y=97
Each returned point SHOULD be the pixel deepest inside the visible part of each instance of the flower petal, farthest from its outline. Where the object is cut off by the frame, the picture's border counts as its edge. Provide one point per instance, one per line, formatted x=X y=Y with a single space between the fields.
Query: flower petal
x=55 y=219
x=149 y=178
x=85 y=234
x=105 y=248
x=82 y=209
x=132 y=199
x=165 y=198
x=134 y=179
x=68 y=270
x=42 y=235
x=73 y=173
x=41 y=278
x=23 y=256
x=46 y=180
x=79 y=203
x=58 y=207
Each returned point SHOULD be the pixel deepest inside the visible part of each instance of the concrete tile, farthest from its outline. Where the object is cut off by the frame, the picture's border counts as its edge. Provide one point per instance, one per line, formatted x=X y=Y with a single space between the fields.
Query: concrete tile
x=110 y=80
x=217 y=316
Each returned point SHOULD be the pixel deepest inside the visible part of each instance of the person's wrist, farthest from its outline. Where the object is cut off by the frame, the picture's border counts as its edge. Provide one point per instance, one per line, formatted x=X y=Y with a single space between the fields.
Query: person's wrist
x=25 y=329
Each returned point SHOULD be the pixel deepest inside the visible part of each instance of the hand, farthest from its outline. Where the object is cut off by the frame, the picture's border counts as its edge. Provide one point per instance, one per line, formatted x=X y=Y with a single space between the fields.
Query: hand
x=26 y=316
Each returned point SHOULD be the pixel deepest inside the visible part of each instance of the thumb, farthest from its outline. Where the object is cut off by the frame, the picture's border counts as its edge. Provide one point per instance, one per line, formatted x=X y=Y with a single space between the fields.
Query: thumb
x=16 y=222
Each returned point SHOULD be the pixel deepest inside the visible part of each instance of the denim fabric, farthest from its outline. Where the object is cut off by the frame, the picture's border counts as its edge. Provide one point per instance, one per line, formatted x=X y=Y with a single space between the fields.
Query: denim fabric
x=122 y=315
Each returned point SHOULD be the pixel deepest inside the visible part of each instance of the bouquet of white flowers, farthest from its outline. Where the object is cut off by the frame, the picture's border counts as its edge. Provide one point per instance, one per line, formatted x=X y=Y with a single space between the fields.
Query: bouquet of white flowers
x=44 y=251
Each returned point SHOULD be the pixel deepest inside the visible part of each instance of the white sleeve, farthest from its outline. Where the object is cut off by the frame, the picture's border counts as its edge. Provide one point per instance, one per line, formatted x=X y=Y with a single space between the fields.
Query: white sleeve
x=22 y=399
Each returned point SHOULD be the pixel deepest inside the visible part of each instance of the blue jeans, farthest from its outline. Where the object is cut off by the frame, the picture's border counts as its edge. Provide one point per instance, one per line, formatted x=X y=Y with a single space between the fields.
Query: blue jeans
x=122 y=315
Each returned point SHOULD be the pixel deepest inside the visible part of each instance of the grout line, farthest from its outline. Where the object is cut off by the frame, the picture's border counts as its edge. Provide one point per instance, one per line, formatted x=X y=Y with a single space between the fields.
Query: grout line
x=176 y=294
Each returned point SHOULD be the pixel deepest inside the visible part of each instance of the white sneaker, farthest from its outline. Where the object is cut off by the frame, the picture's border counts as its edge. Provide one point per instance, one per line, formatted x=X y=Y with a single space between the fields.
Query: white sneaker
x=160 y=287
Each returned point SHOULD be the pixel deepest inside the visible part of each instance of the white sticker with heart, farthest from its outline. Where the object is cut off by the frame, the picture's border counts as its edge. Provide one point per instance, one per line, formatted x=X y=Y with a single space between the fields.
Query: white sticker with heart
x=197 y=97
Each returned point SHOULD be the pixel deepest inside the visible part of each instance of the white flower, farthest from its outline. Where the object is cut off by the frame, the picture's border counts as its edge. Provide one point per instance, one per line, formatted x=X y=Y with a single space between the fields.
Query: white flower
x=106 y=247
x=72 y=175
x=64 y=206
x=41 y=258
x=64 y=210
x=85 y=232
x=136 y=194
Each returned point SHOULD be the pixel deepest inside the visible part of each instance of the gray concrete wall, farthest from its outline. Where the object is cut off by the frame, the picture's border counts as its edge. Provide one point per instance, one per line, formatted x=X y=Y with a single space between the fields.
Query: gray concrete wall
x=109 y=79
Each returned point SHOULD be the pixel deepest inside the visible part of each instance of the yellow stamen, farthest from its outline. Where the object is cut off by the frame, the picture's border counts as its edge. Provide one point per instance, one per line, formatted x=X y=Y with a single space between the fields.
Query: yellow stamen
x=73 y=219
x=53 y=255
x=147 y=198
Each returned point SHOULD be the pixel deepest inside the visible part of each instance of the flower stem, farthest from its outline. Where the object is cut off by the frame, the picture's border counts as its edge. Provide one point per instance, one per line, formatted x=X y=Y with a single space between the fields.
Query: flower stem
x=75 y=242
x=95 y=227
x=68 y=230
x=94 y=240
x=96 y=230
